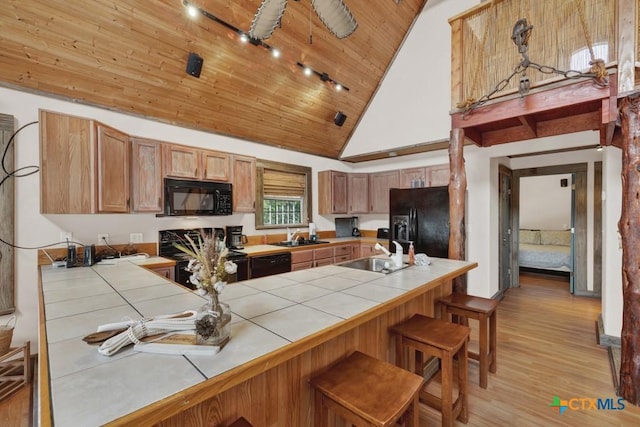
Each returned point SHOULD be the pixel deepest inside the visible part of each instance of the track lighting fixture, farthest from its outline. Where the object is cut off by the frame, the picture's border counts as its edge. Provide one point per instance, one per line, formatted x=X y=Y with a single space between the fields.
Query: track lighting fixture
x=323 y=76
x=245 y=37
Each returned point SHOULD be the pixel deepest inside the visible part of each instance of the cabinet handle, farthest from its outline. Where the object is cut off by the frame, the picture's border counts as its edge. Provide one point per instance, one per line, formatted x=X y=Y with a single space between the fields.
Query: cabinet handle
x=196 y=172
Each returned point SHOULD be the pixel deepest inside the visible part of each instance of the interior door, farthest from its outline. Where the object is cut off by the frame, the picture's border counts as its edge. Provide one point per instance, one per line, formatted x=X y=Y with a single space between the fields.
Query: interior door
x=505 y=228
x=573 y=234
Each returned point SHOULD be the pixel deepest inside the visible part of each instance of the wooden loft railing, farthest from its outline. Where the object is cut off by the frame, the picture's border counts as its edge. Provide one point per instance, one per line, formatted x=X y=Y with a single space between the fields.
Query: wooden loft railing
x=484 y=55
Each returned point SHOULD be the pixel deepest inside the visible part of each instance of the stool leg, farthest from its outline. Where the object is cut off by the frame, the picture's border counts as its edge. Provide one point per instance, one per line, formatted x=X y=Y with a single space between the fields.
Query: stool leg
x=411 y=416
x=447 y=391
x=462 y=382
x=492 y=342
x=483 y=351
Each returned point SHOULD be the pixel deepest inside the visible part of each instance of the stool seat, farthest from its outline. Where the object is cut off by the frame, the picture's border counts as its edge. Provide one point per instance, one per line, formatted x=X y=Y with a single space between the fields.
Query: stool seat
x=367 y=391
x=484 y=310
x=425 y=336
x=471 y=303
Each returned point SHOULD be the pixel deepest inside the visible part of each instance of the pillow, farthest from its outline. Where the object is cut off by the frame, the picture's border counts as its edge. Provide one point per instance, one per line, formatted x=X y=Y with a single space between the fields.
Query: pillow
x=530 y=236
x=555 y=237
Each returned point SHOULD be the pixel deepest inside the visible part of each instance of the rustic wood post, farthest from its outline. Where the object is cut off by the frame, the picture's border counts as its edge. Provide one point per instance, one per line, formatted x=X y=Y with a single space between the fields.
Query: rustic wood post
x=629 y=226
x=457 y=193
x=7 y=207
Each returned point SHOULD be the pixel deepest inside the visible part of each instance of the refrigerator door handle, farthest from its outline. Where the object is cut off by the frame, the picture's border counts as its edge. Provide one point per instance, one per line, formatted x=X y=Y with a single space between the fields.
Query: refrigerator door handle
x=412 y=224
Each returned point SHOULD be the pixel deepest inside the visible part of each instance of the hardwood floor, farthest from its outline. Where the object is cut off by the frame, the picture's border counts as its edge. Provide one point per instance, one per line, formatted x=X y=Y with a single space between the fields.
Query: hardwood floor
x=546 y=348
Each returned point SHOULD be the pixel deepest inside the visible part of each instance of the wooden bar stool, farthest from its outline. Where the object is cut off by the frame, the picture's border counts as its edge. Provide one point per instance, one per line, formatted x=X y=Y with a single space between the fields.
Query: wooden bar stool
x=426 y=336
x=367 y=392
x=484 y=310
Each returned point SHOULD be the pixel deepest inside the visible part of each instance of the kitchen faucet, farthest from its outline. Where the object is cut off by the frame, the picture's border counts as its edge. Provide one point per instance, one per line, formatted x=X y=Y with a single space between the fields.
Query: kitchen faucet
x=291 y=236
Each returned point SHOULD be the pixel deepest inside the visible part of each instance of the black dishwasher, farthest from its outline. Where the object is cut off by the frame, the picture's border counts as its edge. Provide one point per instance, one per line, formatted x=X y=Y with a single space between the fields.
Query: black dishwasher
x=266 y=265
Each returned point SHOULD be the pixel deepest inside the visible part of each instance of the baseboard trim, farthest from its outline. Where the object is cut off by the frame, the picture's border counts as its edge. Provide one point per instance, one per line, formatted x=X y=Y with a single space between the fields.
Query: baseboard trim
x=603 y=339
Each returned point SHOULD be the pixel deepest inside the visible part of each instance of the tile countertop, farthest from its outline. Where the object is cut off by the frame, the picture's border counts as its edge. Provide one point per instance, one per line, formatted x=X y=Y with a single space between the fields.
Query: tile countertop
x=265 y=249
x=269 y=314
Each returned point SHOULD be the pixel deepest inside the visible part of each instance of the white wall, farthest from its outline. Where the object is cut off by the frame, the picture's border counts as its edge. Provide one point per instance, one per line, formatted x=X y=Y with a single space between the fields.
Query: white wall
x=544 y=204
x=412 y=105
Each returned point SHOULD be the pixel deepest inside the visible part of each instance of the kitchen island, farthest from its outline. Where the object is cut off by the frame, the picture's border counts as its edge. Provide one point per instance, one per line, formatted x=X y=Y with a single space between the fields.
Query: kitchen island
x=285 y=328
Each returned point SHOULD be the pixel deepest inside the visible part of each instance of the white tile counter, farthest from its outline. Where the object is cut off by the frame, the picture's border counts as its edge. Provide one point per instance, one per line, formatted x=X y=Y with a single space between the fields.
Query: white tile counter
x=269 y=314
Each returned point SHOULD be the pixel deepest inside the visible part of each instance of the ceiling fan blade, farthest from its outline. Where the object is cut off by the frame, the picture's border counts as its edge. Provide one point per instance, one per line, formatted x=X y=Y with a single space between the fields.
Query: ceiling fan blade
x=336 y=16
x=267 y=18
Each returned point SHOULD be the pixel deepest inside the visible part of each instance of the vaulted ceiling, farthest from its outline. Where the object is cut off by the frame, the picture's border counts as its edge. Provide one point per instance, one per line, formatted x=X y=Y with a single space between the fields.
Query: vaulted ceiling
x=131 y=56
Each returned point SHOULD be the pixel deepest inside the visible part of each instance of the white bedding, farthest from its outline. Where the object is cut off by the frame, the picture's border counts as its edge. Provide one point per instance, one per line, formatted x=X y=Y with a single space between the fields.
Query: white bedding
x=548 y=257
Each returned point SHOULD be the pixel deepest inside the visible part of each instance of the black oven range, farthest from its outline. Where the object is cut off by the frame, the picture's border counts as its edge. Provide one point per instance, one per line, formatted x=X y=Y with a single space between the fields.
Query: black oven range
x=167 y=238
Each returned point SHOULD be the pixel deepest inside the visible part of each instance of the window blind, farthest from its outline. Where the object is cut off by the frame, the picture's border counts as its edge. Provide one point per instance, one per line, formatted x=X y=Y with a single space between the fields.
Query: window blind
x=283 y=184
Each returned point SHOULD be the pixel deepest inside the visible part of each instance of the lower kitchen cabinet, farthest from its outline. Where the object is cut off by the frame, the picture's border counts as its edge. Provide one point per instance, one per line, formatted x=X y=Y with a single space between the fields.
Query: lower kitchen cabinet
x=168 y=272
x=341 y=253
x=301 y=260
x=367 y=249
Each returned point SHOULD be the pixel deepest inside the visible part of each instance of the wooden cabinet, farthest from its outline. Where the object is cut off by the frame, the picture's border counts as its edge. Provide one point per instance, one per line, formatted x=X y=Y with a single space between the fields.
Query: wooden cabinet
x=379 y=185
x=168 y=272
x=358 y=192
x=342 y=253
x=301 y=260
x=430 y=176
x=244 y=184
x=355 y=251
x=113 y=149
x=332 y=192
x=180 y=161
x=367 y=249
x=67 y=165
x=146 y=175
x=216 y=166
x=84 y=166
x=438 y=175
x=410 y=178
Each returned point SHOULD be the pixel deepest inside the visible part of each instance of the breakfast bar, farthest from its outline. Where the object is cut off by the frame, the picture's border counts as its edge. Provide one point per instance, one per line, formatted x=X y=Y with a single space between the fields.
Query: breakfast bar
x=285 y=328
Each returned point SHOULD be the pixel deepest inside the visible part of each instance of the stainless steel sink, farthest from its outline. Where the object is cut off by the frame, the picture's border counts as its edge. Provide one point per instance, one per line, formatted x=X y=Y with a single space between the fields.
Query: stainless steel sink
x=378 y=265
x=296 y=243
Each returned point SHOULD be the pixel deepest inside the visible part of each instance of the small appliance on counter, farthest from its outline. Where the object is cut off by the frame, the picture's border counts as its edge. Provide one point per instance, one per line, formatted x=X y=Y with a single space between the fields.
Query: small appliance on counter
x=383 y=233
x=89 y=256
x=235 y=238
x=312 y=232
x=355 y=229
x=347 y=227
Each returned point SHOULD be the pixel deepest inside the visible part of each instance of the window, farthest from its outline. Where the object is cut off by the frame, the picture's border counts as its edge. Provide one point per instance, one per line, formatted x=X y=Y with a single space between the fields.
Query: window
x=283 y=195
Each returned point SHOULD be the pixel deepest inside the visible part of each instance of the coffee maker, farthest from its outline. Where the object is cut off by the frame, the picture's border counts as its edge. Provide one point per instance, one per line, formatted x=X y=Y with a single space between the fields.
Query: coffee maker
x=235 y=238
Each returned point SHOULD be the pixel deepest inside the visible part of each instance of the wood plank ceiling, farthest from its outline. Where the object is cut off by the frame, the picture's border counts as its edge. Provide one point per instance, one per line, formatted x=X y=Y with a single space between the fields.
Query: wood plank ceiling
x=131 y=56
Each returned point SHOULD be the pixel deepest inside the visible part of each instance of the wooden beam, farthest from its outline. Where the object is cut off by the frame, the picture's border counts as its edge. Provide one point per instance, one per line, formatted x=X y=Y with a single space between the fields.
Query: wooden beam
x=529 y=124
x=560 y=97
x=7 y=220
x=629 y=226
x=626 y=44
x=457 y=194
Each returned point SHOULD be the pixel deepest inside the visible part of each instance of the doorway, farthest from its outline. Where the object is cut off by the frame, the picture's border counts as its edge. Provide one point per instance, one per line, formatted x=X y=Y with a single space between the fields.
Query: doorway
x=579 y=172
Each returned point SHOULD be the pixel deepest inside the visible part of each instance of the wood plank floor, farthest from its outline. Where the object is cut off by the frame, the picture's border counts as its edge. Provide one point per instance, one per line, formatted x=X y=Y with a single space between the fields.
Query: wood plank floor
x=546 y=347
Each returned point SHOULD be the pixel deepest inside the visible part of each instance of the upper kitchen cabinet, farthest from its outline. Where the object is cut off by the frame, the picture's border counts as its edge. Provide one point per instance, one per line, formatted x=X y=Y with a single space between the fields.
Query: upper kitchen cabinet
x=244 y=184
x=429 y=176
x=332 y=192
x=113 y=152
x=146 y=175
x=67 y=165
x=379 y=185
x=216 y=166
x=358 y=192
x=181 y=161
x=84 y=166
x=439 y=175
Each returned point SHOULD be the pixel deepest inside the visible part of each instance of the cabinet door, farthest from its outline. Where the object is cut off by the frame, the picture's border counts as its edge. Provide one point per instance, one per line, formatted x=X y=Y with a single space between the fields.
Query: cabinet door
x=366 y=249
x=215 y=166
x=438 y=175
x=168 y=272
x=355 y=251
x=113 y=169
x=146 y=175
x=244 y=184
x=180 y=161
x=379 y=185
x=358 y=192
x=332 y=192
x=66 y=164
x=410 y=177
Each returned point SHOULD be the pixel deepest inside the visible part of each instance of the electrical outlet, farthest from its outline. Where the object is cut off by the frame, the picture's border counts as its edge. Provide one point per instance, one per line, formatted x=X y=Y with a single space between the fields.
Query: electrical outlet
x=103 y=239
x=135 y=237
x=64 y=235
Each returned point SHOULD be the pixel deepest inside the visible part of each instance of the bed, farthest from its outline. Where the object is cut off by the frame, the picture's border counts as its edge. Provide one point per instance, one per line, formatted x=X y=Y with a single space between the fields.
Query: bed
x=545 y=249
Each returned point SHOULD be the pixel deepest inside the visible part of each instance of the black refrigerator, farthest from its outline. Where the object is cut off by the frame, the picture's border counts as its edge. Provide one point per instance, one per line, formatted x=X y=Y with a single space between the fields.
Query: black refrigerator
x=420 y=215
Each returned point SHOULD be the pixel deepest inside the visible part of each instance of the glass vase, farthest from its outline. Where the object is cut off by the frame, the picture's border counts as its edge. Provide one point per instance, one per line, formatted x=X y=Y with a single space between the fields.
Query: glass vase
x=213 y=322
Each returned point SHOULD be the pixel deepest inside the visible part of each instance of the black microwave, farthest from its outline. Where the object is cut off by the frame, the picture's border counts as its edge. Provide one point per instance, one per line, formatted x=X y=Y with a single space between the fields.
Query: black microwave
x=196 y=198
